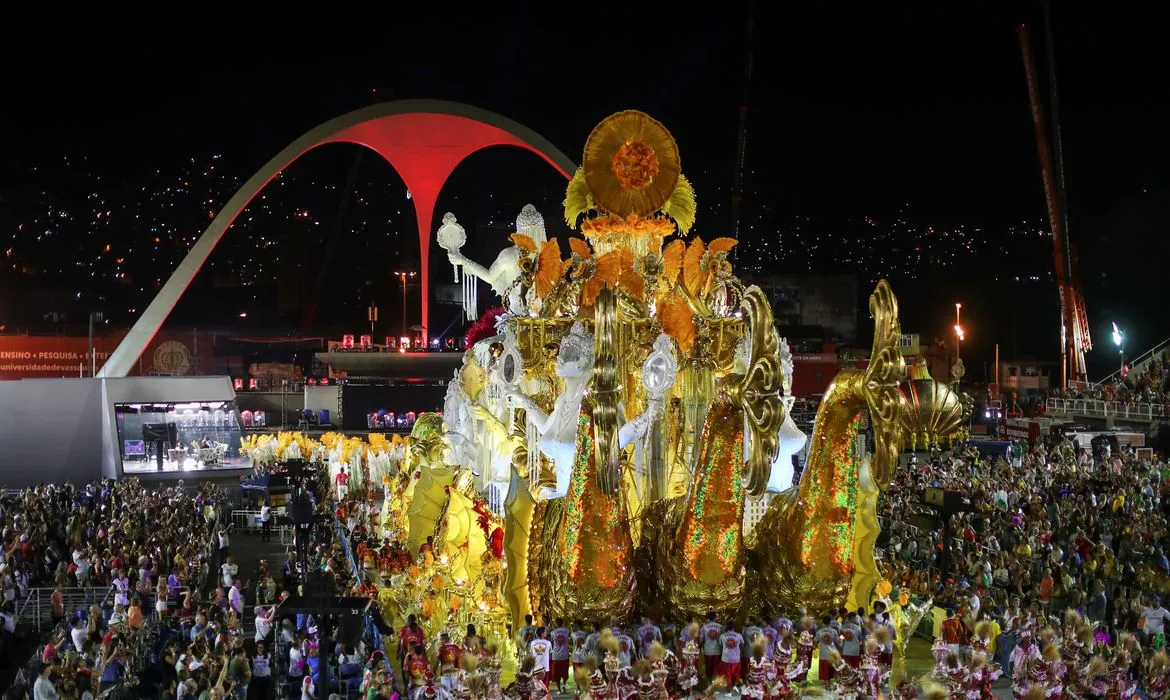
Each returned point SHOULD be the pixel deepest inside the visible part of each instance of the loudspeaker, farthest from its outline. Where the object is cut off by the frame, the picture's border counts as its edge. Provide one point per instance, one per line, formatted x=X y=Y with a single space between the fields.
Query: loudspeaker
x=301 y=510
x=349 y=629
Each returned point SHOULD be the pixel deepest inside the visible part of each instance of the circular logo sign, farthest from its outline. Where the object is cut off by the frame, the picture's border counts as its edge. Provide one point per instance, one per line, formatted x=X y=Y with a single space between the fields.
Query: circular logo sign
x=172 y=357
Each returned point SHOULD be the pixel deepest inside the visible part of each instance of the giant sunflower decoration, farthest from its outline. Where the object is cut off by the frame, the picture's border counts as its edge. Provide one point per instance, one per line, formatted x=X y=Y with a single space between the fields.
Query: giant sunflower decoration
x=631 y=175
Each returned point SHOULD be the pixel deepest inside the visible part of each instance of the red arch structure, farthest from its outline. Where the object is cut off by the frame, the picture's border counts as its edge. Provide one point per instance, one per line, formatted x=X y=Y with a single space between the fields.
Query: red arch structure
x=423 y=140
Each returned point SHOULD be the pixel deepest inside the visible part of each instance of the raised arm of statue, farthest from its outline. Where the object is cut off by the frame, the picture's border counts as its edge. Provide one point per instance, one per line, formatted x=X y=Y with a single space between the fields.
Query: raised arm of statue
x=539 y=418
x=638 y=426
x=469 y=265
x=490 y=421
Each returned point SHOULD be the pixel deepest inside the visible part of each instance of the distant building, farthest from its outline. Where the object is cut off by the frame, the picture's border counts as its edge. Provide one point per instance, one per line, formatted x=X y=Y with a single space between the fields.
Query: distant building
x=753 y=511
x=1026 y=377
x=808 y=300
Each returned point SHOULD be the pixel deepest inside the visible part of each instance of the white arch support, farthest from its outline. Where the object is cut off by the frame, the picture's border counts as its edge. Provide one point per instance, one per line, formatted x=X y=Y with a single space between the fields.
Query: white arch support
x=422 y=139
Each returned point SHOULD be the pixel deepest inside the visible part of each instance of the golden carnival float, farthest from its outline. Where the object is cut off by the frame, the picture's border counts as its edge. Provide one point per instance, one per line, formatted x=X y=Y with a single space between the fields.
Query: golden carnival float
x=601 y=444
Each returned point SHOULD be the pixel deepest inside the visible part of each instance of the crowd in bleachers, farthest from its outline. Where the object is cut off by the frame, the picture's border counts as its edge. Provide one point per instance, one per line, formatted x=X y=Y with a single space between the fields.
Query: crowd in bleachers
x=1147 y=385
x=116 y=556
x=1048 y=527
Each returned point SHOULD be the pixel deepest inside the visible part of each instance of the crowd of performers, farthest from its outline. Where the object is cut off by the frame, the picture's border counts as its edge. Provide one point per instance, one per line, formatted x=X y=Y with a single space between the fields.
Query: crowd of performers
x=759 y=660
x=853 y=655
x=1063 y=659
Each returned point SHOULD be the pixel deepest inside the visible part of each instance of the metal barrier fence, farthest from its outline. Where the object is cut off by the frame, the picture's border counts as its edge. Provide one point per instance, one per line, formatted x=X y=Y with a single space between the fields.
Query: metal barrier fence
x=249 y=521
x=36 y=608
x=1096 y=408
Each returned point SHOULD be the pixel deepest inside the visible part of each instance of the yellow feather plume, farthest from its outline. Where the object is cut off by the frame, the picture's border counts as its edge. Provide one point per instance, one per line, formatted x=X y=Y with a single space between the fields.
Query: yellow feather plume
x=578 y=198
x=524 y=242
x=721 y=245
x=548 y=267
x=678 y=321
x=580 y=247
x=672 y=261
x=694 y=278
x=681 y=205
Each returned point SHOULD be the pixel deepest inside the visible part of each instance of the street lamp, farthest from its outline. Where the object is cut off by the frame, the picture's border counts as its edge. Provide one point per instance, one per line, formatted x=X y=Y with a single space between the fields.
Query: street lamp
x=404 y=276
x=958 y=370
x=1119 y=341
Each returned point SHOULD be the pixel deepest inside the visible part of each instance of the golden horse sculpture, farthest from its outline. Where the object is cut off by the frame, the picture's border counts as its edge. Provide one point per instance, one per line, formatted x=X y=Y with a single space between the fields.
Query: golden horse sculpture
x=814 y=546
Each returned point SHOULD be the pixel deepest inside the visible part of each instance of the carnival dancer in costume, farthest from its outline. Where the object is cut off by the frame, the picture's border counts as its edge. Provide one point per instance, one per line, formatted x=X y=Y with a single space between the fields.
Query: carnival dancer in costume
x=626 y=685
x=469 y=684
x=712 y=648
x=648 y=688
x=528 y=685
x=883 y=636
x=1024 y=657
x=873 y=676
x=954 y=675
x=939 y=651
x=760 y=672
x=847 y=681
x=1054 y=671
x=1128 y=649
x=1073 y=649
x=449 y=658
x=596 y=681
x=787 y=670
x=1157 y=678
x=980 y=677
x=581 y=683
x=663 y=667
x=688 y=676
x=415 y=668
x=782 y=678
x=804 y=647
x=908 y=690
x=608 y=643
x=1097 y=679
x=490 y=667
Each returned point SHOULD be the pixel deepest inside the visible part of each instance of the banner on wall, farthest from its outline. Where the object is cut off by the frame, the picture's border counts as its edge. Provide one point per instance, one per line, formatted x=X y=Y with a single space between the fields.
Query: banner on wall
x=56 y=356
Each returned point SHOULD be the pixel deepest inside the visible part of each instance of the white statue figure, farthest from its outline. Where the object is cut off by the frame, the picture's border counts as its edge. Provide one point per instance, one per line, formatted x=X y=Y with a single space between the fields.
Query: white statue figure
x=505 y=271
x=558 y=430
x=792 y=440
x=479 y=436
x=459 y=438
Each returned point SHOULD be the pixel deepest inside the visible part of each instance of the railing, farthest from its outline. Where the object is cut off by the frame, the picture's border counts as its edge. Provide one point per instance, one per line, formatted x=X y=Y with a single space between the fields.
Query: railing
x=1096 y=408
x=249 y=521
x=1137 y=364
x=36 y=609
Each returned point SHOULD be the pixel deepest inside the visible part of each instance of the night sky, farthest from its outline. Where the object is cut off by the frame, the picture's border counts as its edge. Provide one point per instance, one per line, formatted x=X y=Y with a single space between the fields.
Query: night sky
x=853 y=107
